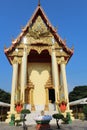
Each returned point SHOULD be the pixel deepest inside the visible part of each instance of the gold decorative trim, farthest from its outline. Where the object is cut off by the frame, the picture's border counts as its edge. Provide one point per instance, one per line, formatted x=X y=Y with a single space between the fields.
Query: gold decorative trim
x=39 y=49
x=39 y=29
x=16 y=60
x=60 y=61
x=49 y=83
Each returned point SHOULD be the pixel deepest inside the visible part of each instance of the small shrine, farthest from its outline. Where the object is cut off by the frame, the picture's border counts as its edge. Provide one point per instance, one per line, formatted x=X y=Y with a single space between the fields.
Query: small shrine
x=39 y=57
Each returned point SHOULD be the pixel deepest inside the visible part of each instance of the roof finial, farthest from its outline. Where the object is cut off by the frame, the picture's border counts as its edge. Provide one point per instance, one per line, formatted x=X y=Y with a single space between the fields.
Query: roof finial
x=4 y=46
x=38 y=2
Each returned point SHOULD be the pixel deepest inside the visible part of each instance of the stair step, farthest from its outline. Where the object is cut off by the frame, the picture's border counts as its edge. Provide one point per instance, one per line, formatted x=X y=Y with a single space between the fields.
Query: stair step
x=30 y=117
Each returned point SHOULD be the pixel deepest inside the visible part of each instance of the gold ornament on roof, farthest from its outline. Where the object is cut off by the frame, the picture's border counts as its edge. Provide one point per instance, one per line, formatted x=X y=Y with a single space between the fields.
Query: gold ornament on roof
x=37 y=34
x=39 y=29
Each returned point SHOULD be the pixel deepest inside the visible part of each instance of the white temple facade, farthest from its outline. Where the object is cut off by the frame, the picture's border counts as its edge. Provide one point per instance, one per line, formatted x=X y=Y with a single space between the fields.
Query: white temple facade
x=39 y=57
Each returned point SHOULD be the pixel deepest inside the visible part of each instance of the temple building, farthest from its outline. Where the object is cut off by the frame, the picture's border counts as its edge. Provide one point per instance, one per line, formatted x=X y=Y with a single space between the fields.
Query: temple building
x=39 y=57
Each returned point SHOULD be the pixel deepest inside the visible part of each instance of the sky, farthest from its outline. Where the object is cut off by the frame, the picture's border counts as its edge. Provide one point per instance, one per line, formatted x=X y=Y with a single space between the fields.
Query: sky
x=70 y=18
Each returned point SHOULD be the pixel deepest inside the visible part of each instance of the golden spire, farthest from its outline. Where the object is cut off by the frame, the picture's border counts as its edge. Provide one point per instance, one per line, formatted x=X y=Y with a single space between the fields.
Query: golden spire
x=4 y=46
x=38 y=2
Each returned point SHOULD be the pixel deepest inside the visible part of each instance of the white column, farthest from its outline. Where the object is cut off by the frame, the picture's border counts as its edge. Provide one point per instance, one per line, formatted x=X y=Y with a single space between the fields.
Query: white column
x=24 y=74
x=14 y=85
x=64 y=80
x=55 y=74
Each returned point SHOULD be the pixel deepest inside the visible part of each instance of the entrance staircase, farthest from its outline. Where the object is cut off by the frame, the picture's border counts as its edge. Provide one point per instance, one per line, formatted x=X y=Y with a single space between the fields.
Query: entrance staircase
x=30 y=117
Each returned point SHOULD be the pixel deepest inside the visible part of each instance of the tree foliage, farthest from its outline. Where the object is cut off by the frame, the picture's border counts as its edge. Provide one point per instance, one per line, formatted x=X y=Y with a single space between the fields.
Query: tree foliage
x=78 y=93
x=5 y=96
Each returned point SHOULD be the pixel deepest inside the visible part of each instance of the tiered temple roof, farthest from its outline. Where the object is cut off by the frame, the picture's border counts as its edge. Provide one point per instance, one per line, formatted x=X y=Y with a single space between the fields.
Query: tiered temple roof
x=38 y=12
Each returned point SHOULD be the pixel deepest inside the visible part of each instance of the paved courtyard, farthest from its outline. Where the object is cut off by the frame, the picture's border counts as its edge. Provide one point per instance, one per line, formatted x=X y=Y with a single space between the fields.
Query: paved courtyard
x=76 y=125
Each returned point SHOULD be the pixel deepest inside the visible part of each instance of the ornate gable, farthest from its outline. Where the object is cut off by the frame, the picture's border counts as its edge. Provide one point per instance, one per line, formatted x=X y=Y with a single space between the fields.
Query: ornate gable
x=40 y=34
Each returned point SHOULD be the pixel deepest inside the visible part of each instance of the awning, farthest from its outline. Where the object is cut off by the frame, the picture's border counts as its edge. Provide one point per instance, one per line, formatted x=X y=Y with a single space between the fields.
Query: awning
x=4 y=104
x=77 y=102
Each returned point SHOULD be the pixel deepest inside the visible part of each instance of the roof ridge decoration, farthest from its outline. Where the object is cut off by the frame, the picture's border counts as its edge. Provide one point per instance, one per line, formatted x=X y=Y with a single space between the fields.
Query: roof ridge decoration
x=38 y=2
x=38 y=12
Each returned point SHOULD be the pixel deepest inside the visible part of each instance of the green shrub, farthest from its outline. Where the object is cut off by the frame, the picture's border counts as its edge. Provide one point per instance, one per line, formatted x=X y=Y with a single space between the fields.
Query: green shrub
x=85 y=111
x=25 y=111
x=58 y=116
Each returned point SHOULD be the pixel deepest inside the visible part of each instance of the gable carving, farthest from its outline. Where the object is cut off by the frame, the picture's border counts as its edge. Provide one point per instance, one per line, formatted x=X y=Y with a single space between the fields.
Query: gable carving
x=39 y=33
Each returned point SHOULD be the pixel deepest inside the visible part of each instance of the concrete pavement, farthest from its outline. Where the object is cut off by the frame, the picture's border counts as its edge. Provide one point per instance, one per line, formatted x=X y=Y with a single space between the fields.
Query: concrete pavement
x=76 y=125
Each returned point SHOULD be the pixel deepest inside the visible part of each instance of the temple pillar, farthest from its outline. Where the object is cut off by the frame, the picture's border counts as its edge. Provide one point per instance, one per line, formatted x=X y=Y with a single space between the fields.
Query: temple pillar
x=32 y=100
x=27 y=95
x=55 y=75
x=18 y=94
x=24 y=74
x=47 y=100
x=64 y=80
x=14 y=85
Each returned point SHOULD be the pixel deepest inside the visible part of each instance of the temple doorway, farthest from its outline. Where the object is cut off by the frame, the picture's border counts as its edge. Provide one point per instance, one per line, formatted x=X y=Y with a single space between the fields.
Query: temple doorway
x=39 y=71
x=51 y=99
x=52 y=95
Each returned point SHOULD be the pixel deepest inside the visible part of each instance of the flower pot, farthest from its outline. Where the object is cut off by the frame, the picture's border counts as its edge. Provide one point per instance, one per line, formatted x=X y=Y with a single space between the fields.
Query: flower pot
x=42 y=125
x=43 y=122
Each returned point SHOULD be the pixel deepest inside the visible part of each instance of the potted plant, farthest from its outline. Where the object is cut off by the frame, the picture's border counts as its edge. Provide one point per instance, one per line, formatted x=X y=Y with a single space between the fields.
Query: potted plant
x=67 y=119
x=12 y=121
x=22 y=118
x=58 y=116
x=42 y=121
x=23 y=114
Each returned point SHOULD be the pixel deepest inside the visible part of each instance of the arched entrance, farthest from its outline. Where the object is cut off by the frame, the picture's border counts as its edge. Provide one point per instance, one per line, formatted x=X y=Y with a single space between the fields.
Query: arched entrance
x=34 y=56
x=39 y=71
